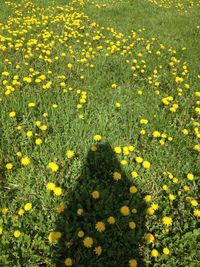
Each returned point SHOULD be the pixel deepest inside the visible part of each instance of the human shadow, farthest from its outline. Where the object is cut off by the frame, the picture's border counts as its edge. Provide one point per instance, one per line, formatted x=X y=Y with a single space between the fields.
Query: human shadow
x=103 y=222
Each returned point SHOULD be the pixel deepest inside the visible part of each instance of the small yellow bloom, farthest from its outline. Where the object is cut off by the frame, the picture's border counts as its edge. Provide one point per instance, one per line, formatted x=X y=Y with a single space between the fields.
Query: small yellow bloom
x=117 y=176
x=100 y=226
x=125 y=211
x=111 y=220
x=9 y=166
x=97 y=137
x=154 y=253
x=70 y=154
x=95 y=194
x=25 y=161
x=166 y=251
x=98 y=250
x=57 y=191
x=27 y=206
x=149 y=238
x=50 y=186
x=12 y=114
x=133 y=189
x=68 y=262
x=133 y=263
x=146 y=164
x=17 y=233
x=53 y=166
x=81 y=234
x=132 y=225
x=88 y=242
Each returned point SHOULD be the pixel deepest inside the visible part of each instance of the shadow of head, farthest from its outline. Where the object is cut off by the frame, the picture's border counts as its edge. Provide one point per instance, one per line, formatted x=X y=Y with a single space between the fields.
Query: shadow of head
x=103 y=220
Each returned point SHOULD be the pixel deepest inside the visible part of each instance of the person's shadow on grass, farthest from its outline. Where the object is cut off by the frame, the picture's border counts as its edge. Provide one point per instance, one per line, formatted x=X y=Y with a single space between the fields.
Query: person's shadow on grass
x=103 y=222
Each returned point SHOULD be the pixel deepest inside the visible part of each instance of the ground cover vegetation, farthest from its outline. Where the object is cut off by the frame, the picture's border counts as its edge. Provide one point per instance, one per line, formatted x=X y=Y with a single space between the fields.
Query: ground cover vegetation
x=99 y=133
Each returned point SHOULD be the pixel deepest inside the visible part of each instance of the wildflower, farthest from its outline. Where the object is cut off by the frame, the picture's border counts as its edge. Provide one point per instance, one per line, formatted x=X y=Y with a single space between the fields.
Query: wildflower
x=100 y=226
x=1 y=230
x=17 y=233
x=25 y=161
x=147 y=198
x=125 y=210
x=154 y=206
x=134 y=174
x=95 y=194
x=139 y=159
x=133 y=263
x=79 y=212
x=190 y=176
x=50 y=186
x=81 y=234
x=38 y=141
x=166 y=251
x=150 y=211
x=156 y=134
x=118 y=150
x=171 y=197
x=9 y=166
x=27 y=206
x=154 y=253
x=97 y=137
x=146 y=164
x=61 y=208
x=98 y=250
x=88 y=242
x=117 y=176
x=29 y=134
x=68 y=262
x=93 y=148
x=53 y=166
x=197 y=212
x=70 y=154
x=133 y=189
x=54 y=237
x=149 y=238
x=57 y=191
x=167 y=221
x=132 y=225
x=111 y=220
x=12 y=114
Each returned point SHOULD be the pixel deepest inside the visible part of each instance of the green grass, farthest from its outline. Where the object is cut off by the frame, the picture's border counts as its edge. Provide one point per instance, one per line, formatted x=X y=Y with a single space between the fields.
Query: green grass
x=122 y=47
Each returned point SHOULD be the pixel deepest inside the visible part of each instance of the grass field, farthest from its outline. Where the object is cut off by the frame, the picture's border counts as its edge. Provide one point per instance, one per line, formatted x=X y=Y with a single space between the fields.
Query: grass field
x=99 y=133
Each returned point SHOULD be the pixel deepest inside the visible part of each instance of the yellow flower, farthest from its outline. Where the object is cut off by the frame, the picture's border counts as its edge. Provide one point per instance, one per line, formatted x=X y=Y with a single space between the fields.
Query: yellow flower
x=79 y=212
x=166 y=251
x=147 y=198
x=171 y=197
x=149 y=238
x=17 y=233
x=57 y=191
x=81 y=234
x=54 y=237
x=134 y=174
x=25 y=161
x=21 y=212
x=156 y=134
x=27 y=206
x=70 y=154
x=60 y=208
x=68 y=262
x=9 y=166
x=194 y=202
x=190 y=176
x=154 y=206
x=95 y=194
x=12 y=114
x=146 y=164
x=139 y=159
x=98 y=250
x=38 y=141
x=197 y=213
x=117 y=176
x=133 y=189
x=88 y=242
x=50 y=186
x=167 y=221
x=125 y=210
x=53 y=166
x=93 y=148
x=117 y=105
x=154 y=253
x=150 y=211
x=111 y=220
x=118 y=150
x=1 y=230
x=29 y=134
x=114 y=86
x=132 y=225
x=100 y=226
x=97 y=137
x=133 y=263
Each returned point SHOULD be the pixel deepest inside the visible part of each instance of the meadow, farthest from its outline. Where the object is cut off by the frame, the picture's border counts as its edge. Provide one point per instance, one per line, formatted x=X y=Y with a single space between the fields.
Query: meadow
x=99 y=133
